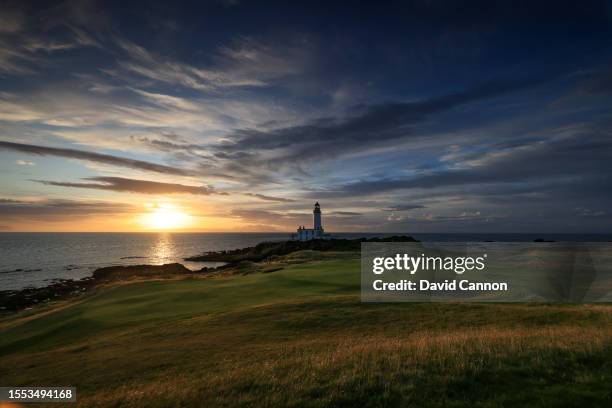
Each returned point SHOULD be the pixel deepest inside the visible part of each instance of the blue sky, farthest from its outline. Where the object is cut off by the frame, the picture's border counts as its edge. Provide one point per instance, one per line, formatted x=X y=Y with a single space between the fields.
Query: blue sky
x=422 y=116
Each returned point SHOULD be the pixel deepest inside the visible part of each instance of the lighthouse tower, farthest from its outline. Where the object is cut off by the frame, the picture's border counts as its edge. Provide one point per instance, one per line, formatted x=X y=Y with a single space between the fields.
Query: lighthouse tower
x=316 y=232
x=317 y=216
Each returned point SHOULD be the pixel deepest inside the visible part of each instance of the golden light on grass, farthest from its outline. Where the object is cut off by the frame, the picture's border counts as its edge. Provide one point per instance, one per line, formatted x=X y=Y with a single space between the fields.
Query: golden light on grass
x=165 y=217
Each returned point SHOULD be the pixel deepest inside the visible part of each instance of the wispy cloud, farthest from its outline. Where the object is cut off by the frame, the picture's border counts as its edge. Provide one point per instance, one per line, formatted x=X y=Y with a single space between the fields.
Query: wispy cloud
x=135 y=186
x=24 y=51
x=54 y=209
x=93 y=157
x=569 y=160
x=270 y=198
x=152 y=66
x=346 y=213
x=168 y=100
x=403 y=207
x=25 y=163
x=329 y=138
x=11 y=20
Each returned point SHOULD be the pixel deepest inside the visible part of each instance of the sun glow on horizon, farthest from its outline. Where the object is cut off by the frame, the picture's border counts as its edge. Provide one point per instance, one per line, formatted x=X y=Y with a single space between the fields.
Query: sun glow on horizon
x=165 y=217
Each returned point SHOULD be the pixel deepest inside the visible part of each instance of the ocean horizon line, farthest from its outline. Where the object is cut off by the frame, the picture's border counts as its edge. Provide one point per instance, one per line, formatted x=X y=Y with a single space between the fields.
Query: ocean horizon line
x=291 y=232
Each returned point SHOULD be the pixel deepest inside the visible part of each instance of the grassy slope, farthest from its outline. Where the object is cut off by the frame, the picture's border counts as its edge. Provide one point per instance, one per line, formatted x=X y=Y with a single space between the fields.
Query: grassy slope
x=300 y=337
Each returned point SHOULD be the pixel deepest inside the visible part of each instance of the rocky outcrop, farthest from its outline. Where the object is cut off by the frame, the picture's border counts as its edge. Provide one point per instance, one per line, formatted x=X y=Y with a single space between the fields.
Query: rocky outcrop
x=15 y=300
x=113 y=273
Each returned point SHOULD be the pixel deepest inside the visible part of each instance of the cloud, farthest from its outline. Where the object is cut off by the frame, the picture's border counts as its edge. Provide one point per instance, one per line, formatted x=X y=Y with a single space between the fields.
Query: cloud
x=289 y=220
x=82 y=38
x=369 y=126
x=258 y=156
x=135 y=186
x=166 y=143
x=578 y=160
x=246 y=62
x=158 y=68
x=273 y=219
x=248 y=57
x=270 y=198
x=24 y=50
x=65 y=105
x=50 y=209
x=93 y=157
x=168 y=100
x=11 y=20
x=403 y=207
x=387 y=123
x=14 y=60
x=25 y=163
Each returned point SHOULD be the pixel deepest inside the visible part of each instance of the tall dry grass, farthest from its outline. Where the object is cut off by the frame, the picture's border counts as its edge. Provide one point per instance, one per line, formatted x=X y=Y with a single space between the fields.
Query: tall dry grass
x=322 y=370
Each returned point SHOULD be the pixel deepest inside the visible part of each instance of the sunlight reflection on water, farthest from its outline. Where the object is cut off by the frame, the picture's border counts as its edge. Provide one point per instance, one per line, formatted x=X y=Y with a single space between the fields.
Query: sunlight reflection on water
x=37 y=258
x=163 y=251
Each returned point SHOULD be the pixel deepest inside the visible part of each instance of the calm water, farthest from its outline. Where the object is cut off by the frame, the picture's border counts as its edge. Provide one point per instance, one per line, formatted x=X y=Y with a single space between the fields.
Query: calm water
x=35 y=259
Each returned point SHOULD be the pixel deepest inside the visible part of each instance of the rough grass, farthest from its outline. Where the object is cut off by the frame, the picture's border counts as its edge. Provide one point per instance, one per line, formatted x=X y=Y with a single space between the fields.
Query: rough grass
x=299 y=337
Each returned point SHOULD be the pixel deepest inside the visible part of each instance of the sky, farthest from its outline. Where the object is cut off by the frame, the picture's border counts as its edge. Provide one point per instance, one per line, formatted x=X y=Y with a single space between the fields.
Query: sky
x=411 y=116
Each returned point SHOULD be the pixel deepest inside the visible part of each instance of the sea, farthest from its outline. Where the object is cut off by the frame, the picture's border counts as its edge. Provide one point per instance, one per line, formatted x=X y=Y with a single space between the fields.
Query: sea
x=38 y=259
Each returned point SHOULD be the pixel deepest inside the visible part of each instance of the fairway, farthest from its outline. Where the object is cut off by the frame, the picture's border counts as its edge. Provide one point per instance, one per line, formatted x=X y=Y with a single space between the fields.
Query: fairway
x=145 y=304
x=300 y=337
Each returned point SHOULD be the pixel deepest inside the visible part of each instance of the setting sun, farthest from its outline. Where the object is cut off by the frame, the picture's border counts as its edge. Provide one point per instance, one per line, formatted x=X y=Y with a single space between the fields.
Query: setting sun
x=165 y=216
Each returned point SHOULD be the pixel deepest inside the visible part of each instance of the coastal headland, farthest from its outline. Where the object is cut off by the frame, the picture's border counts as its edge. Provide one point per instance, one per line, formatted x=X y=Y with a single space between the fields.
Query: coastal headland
x=290 y=330
x=236 y=261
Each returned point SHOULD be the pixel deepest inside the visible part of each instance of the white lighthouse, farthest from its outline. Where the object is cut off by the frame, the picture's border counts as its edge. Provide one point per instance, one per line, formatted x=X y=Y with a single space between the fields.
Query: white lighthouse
x=317 y=232
x=317 y=217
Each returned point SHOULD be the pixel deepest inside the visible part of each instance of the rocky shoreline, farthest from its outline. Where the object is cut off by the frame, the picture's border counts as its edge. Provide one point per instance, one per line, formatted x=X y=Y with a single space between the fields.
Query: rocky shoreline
x=15 y=300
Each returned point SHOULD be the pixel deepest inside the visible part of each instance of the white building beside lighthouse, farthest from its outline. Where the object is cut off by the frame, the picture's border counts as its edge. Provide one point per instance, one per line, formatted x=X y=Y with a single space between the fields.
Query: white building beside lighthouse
x=317 y=232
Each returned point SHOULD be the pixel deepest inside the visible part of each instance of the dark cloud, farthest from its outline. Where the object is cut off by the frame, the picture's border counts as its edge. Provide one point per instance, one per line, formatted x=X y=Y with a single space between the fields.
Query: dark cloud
x=346 y=213
x=270 y=198
x=93 y=157
x=135 y=186
x=170 y=143
x=329 y=137
x=580 y=161
x=50 y=210
x=248 y=173
x=268 y=217
x=233 y=156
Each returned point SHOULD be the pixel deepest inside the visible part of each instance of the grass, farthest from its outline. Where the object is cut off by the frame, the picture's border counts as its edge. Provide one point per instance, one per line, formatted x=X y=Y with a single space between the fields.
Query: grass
x=300 y=337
